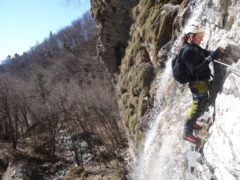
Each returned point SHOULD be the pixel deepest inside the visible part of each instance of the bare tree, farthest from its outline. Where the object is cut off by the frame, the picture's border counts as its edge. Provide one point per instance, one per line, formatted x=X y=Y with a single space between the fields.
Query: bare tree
x=60 y=85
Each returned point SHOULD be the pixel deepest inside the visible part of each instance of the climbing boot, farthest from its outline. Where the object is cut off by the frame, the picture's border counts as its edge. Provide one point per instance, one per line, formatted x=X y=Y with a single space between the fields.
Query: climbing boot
x=191 y=138
x=197 y=127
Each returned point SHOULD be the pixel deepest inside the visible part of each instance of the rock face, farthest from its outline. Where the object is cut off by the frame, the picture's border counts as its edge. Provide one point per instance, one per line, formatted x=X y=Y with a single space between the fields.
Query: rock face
x=154 y=25
x=223 y=28
x=113 y=18
x=149 y=40
x=151 y=36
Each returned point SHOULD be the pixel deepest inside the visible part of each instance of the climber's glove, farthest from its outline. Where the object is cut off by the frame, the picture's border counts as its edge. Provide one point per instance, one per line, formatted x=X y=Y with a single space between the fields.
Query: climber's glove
x=215 y=54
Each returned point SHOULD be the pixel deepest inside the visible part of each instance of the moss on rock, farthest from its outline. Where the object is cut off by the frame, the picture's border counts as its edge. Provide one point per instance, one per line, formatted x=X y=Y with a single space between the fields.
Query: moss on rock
x=138 y=137
x=123 y=102
x=151 y=31
x=143 y=102
x=132 y=124
x=120 y=174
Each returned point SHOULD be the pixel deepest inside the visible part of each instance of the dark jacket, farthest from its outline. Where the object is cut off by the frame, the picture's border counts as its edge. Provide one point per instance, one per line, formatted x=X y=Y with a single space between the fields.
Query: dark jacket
x=194 y=57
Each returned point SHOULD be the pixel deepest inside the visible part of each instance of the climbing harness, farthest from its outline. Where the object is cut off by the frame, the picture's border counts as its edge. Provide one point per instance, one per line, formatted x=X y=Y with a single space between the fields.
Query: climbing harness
x=230 y=68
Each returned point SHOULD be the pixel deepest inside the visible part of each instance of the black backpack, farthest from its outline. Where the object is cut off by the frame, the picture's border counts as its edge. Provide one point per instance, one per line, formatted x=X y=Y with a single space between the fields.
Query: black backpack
x=179 y=69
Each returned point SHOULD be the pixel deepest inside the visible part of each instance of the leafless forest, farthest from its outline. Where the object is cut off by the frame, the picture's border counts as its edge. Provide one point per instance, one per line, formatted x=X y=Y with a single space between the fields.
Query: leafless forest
x=59 y=88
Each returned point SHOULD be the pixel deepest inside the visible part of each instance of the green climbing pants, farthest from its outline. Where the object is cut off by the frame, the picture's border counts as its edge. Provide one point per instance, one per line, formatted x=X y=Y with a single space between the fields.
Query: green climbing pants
x=199 y=105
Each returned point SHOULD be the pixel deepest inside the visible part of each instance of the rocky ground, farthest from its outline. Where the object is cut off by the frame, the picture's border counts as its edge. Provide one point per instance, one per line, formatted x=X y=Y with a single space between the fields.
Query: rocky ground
x=95 y=172
x=31 y=162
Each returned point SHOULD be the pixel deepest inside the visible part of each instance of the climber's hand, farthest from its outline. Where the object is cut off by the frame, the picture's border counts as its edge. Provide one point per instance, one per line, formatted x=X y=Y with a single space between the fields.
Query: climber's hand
x=216 y=54
x=222 y=51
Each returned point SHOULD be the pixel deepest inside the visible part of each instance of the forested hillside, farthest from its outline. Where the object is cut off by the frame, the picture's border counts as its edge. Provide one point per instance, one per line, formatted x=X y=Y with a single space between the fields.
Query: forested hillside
x=58 y=90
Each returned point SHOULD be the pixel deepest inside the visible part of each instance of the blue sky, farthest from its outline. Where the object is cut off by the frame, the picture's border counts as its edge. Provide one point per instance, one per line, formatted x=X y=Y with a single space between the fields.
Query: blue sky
x=23 y=23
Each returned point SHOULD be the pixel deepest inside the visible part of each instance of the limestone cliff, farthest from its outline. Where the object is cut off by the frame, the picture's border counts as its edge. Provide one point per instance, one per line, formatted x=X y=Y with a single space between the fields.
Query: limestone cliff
x=154 y=26
x=113 y=19
x=147 y=43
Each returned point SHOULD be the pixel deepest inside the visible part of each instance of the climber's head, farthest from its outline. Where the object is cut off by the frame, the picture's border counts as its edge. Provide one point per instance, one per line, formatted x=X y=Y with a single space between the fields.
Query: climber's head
x=194 y=32
x=193 y=28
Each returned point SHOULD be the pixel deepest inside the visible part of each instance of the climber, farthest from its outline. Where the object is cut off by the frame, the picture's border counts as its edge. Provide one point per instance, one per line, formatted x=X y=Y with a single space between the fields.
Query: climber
x=197 y=62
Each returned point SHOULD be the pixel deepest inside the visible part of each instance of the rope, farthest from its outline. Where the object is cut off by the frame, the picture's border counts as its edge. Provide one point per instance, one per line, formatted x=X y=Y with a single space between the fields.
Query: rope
x=230 y=68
